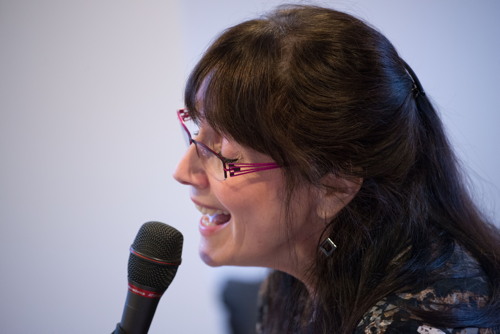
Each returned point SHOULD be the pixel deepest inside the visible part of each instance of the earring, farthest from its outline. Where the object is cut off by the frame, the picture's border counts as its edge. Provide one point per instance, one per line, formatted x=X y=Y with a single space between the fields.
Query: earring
x=327 y=247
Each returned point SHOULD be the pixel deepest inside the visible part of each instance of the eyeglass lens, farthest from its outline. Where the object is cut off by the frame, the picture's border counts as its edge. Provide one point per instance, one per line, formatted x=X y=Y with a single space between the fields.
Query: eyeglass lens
x=211 y=162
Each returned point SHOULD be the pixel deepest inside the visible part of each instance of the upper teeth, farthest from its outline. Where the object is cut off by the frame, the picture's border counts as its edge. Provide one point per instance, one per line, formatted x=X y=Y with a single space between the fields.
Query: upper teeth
x=211 y=212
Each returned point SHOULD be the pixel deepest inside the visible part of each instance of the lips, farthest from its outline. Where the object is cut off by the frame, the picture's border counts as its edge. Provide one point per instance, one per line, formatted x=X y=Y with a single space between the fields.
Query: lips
x=213 y=217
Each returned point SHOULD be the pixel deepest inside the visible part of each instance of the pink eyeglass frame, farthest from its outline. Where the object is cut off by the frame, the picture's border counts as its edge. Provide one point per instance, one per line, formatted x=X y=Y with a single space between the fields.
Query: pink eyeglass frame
x=229 y=167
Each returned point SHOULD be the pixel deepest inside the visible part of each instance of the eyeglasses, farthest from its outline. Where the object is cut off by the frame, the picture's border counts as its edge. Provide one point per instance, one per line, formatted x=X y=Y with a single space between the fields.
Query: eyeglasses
x=214 y=163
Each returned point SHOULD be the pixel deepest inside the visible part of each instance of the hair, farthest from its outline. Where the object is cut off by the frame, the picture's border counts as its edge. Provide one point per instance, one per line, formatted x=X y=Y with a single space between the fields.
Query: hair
x=321 y=92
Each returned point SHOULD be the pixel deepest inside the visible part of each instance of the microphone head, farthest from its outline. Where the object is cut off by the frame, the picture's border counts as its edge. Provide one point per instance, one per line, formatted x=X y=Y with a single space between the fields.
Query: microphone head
x=155 y=256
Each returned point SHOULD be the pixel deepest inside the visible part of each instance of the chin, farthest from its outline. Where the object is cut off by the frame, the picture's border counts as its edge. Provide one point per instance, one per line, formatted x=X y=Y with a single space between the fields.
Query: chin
x=208 y=260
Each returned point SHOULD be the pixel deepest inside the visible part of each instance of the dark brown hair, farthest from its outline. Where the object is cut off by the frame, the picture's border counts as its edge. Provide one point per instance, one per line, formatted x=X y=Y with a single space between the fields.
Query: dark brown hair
x=323 y=92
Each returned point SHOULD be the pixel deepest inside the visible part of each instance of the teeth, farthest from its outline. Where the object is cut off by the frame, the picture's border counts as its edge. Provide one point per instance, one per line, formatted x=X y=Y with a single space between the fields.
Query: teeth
x=210 y=212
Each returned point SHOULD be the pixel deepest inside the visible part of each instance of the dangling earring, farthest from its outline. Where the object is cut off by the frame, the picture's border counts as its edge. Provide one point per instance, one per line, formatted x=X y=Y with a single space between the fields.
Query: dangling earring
x=327 y=247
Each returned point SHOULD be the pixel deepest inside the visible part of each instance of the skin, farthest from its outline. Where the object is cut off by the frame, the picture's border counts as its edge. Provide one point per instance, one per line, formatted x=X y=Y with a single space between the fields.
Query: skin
x=256 y=233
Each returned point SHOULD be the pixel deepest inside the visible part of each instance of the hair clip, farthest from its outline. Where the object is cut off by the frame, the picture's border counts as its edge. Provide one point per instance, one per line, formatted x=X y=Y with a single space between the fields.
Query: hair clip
x=417 y=86
x=327 y=247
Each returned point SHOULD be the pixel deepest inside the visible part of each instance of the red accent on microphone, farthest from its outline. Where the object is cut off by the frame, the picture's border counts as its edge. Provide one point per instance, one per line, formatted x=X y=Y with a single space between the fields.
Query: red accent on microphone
x=144 y=293
x=147 y=258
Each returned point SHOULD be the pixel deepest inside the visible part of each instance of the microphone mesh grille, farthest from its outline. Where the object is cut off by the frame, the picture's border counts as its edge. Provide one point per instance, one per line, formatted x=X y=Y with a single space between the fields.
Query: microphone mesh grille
x=157 y=241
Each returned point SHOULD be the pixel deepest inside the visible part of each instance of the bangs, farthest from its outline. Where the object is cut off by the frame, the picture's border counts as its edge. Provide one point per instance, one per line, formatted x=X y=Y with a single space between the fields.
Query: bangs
x=235 y=86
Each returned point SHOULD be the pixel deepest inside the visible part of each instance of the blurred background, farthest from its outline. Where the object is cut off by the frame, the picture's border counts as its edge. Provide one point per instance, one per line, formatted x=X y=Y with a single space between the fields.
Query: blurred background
x=89 y=141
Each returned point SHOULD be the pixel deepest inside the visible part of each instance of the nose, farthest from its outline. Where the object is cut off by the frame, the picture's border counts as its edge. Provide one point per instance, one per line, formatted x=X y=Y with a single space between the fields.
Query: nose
x=190 y=171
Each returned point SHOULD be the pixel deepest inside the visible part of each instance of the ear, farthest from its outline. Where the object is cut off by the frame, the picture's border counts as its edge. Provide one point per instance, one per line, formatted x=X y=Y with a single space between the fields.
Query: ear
x=334 y=193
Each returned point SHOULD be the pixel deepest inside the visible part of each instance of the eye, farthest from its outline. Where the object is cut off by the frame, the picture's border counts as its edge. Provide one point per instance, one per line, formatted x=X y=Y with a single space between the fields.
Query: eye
x=227 y=160
x=228 y=149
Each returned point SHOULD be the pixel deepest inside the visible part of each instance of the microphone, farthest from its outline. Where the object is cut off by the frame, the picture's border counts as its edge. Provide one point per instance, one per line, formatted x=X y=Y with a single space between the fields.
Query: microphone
x=154 y=258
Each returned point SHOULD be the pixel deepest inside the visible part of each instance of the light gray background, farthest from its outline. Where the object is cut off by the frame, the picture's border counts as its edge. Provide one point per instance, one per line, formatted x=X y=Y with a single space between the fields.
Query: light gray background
x=89 y=140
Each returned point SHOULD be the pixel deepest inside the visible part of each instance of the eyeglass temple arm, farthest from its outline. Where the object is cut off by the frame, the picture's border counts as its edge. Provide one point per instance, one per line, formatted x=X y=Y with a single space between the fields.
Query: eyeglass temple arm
x=236 y=169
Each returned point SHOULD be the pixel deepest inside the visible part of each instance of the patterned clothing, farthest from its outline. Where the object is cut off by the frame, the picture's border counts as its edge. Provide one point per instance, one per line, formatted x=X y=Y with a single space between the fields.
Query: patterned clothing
x=464 y=282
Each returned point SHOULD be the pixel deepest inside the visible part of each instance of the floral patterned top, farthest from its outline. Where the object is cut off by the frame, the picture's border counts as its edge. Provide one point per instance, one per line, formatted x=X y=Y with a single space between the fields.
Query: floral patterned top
x=465 y=282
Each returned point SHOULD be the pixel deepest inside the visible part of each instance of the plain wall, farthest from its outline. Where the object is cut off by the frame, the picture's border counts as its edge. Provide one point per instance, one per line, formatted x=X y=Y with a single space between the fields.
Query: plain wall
x=89 y=140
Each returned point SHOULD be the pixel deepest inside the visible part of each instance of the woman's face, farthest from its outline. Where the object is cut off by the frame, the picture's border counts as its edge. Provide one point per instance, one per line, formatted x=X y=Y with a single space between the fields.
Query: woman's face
x=243 y=218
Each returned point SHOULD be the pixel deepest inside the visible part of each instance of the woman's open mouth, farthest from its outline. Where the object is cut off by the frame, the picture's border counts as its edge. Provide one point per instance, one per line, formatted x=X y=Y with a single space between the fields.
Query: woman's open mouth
x=213 y=217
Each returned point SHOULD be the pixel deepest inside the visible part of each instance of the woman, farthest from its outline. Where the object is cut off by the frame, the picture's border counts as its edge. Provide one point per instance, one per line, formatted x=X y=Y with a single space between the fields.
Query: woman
x=316 y=152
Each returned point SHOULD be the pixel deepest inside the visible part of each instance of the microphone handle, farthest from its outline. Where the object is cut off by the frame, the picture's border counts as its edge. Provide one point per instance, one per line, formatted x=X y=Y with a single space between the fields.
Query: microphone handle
x=138 y=313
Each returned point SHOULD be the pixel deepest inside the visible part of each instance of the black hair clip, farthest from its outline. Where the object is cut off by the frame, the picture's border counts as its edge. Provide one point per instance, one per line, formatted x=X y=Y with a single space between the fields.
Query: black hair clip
x=417 y=86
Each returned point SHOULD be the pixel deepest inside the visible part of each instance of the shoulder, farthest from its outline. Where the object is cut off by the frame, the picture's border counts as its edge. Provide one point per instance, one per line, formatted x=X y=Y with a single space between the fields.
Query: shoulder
x=388 y=318
x=463 y=283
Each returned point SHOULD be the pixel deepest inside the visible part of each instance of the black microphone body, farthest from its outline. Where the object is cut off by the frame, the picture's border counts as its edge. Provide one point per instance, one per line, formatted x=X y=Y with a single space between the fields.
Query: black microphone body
x=138 y=312
x=154 y=258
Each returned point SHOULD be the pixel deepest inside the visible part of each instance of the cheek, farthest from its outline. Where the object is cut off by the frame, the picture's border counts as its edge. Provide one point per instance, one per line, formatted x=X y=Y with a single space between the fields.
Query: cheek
x=303 y=213
x=256 y=201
